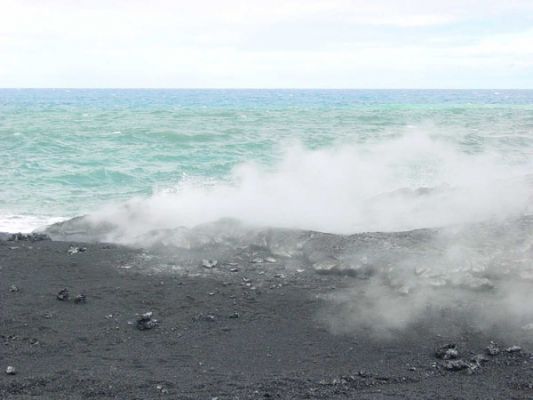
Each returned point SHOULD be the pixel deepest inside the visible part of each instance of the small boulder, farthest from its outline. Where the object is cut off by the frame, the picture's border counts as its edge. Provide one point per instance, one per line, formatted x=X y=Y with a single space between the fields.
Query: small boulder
x=11 y=370
x=145 y=321
x=62 y=295
x=456 y=365
x=493 y=349
x=513 y=349
x=447 y=352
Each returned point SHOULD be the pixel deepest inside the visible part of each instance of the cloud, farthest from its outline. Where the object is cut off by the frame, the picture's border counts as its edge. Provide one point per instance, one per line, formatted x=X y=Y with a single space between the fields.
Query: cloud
x=313 y=43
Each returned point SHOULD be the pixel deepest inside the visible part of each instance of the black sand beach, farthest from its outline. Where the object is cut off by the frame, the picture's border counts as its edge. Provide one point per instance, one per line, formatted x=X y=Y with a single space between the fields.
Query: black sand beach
x=247 y=328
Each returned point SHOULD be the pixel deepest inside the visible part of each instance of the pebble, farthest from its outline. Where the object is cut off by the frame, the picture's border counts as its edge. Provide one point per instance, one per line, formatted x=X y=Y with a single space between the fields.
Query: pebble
x=270 y=260
x=257 y=260
x=161 y=389
x=13 y=288
x=80 y=299
x=11 y=370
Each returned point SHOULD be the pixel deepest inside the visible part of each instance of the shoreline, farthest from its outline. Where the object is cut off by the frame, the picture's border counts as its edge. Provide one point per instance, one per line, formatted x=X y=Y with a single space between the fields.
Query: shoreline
x=232 y=331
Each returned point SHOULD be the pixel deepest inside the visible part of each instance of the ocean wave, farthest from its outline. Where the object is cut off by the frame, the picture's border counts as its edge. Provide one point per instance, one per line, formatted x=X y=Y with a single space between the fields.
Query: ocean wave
x=15 y=223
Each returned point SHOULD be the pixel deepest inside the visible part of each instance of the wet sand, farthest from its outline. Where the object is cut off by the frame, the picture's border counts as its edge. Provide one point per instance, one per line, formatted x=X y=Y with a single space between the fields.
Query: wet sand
x=246 y=331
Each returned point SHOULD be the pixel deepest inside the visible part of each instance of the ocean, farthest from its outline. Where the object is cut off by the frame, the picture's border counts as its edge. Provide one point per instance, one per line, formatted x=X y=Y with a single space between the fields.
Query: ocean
x=340 y=161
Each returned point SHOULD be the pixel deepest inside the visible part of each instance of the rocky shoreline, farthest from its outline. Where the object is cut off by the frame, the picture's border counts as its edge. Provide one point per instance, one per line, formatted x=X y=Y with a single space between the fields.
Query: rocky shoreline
x=102 y=321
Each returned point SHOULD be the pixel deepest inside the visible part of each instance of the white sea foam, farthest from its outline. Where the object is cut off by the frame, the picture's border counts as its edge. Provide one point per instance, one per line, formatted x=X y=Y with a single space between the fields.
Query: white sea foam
x=343 y=189
x=25 y=223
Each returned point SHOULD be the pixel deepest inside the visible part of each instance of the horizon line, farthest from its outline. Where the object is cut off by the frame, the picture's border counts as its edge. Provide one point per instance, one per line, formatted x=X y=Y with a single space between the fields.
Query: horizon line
x=246 y=88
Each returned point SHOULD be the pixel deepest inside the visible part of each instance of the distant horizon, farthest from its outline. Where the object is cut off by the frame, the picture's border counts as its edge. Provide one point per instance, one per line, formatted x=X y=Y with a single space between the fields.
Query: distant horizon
x=264 y=88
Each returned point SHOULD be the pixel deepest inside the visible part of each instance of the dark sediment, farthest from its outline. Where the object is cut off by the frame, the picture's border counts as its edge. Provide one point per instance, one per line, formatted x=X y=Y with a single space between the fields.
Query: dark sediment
x=238 y=329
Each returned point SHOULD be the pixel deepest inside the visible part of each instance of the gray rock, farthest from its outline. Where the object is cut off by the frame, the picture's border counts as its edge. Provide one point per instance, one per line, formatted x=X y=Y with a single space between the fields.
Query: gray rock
x=80 y=299
x=513 y=349
x=145 y=321
x=14 y=289
x=11 y=370
x=74 y=250
x=447 y=352
x=456 y=365
x=493 y=349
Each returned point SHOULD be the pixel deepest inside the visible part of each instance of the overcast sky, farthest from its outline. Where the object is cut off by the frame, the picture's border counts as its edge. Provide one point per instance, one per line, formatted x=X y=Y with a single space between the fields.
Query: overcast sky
x=267 y=43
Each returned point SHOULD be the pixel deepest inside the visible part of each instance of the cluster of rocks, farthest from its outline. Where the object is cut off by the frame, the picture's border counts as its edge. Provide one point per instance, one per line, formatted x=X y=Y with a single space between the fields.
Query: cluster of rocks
x=75 y=249
x=212 y=263
x=64 y=295
x=452 y=361
x=28 y=237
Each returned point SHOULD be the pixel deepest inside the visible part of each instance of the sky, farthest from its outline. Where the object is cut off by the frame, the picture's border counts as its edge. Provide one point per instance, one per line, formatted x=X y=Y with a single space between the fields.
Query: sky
x=266 y=43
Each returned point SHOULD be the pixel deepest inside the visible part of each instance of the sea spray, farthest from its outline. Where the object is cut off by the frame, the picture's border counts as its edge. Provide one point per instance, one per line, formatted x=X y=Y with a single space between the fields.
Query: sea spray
x=411 y=182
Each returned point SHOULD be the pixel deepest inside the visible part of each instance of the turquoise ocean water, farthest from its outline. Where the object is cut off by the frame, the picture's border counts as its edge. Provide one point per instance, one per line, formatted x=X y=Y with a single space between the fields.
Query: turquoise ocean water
x=65 y=153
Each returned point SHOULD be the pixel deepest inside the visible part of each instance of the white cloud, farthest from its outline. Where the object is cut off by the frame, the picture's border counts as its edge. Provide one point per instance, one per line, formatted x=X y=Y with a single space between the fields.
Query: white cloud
x=235 y=43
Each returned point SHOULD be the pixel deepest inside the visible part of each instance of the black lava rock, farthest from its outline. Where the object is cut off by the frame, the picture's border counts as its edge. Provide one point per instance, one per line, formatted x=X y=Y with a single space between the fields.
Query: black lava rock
x=145 y=321
x=62 y=295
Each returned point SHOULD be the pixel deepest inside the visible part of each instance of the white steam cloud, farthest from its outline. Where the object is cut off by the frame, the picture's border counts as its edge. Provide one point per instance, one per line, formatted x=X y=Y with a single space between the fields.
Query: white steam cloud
x=410 y=182
x=476 y=263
